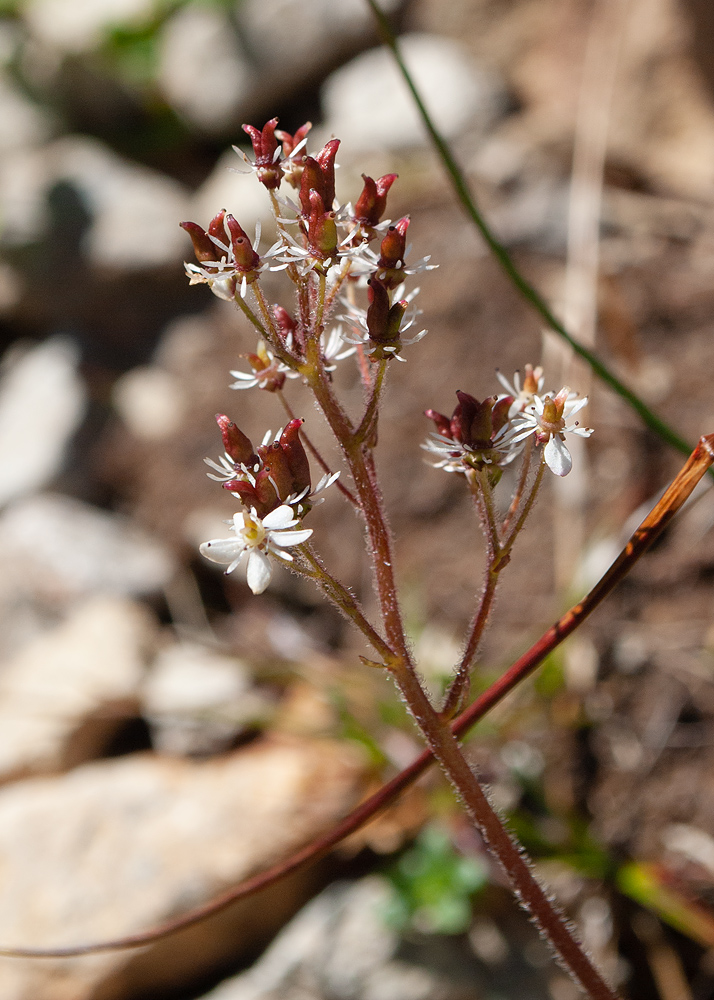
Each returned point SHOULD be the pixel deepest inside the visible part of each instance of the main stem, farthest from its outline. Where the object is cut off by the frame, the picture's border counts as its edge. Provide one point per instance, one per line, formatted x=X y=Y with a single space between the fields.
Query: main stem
x=436 y=730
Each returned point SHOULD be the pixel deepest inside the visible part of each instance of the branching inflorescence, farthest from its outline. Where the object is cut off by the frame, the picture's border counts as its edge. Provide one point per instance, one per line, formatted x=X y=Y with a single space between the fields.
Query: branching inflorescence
x=348 y=267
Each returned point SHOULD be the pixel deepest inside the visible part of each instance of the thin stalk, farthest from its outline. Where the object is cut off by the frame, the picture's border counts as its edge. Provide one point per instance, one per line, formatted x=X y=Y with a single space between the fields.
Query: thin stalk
x=315 y=453
x=268 y=318
x=507 y=545
x=522 y=480
x=459 y=687
x=344 y=601
x=481 y=493
x=366 y=426
x=700 y=460
x=339 y=281
x=320 y=307
x=529 y=293
x=248 y=312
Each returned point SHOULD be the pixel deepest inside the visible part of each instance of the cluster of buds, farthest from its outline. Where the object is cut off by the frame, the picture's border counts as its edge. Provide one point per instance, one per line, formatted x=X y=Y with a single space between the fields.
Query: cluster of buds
x=349 y=263
x=492 y=433
x=276 y=472
x=273 y=482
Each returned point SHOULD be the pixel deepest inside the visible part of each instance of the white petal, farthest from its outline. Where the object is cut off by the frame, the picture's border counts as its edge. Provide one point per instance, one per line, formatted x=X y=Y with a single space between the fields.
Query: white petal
x=557 y=457
x=222 y=550
x=259 y=571
x=281 y=517
x=287 y=538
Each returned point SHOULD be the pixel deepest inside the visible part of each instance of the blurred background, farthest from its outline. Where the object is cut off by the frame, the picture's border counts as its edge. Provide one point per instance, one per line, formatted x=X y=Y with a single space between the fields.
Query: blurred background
x=163 y=732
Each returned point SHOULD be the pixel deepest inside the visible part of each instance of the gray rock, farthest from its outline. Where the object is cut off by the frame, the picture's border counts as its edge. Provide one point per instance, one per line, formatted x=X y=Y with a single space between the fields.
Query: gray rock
x=198 y=701
x=90 y=666
x=42 y=401
x=119 y=845
x=338 y=947
x=56 y=549
x=367 y=104
x=134 y=210
x=202 y=70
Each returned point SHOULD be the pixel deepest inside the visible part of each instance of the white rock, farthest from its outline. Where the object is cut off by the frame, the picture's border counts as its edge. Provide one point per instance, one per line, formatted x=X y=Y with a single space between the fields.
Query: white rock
x=136 y=211
x=150 y=401
x=366 y=103
x=116 y=846
x=202 y=70
x=197 y=701
x=42 y=401
x=294 y=38
x=80 y=25
x=95 y=659
x=54 y=546
x=338 y=946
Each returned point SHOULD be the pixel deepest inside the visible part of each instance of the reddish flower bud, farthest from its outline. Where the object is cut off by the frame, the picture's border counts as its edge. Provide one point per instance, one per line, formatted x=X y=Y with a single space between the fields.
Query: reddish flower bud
x=203 y=246
x=237 y=446
x=443 y=423
x=262 y=496
x=265 y=148
x=378 y=309
x=294 y=452
x=392 y=251
x=326 y=160
x=290 y=142
x=384 y=321
x=293 y=162
x=246 y=259
x=319 y=175
x=371 y=204
x=321 y=229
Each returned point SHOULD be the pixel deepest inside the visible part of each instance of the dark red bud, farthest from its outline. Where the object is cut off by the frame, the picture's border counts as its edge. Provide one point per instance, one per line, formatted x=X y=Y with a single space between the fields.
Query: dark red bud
x=499 y=413
x=326 y=161
x=265 y=146
x=237 y=446
x=393 y=246
x=443 y=424
x=295 y=455
x=322 y=235
x=371 y=204
x=245 y=256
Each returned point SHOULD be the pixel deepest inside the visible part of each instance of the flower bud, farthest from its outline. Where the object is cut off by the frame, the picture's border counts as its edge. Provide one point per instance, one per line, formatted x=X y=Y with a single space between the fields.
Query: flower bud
x=203 y=246
x=237 y=446
x=296 y=458
x=293 y=162
x=392 y=252
x=265 y=148
x=321 y=229
x=247 y=261
x=319 y=175
x=371 y=204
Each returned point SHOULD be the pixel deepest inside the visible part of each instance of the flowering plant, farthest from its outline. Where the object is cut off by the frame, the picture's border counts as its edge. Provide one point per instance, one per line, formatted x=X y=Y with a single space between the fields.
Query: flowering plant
x=348 y=267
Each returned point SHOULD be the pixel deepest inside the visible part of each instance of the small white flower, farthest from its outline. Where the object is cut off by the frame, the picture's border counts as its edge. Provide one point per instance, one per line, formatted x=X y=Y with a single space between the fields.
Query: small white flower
x=259 y=538
x=523 y=394
x=547 y=418
x=271 y=375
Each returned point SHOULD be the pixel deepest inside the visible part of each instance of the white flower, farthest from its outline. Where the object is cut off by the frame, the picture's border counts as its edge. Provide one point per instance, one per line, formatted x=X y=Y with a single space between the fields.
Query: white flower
x=547 y=418
x=533 y=383
x=260 y=538
x=270 y=376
